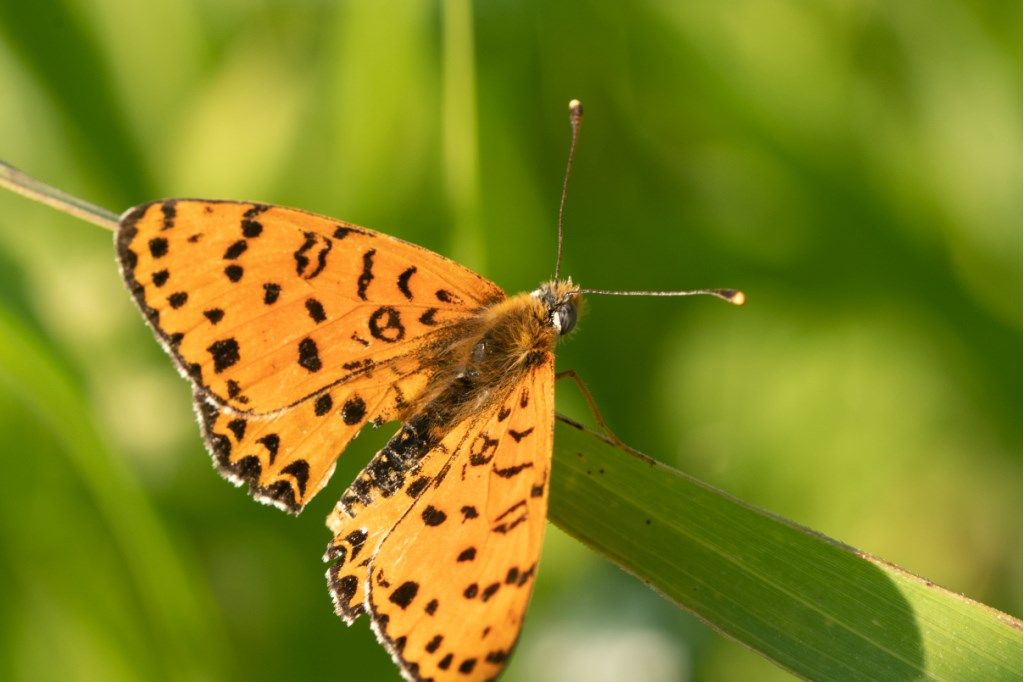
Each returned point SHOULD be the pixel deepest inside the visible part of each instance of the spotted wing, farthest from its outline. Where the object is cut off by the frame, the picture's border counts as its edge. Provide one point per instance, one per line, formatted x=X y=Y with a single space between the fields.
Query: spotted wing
x=448 y=586
x=366 y=514
x=264 y=307
x=286 y=458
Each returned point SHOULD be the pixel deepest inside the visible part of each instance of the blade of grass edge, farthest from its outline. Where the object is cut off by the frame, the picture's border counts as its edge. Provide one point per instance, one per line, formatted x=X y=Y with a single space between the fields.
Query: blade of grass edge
x=814 y=606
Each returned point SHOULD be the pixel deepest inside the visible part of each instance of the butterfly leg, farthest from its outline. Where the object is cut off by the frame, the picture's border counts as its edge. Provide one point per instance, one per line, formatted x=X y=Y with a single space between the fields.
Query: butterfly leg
x=571 y=374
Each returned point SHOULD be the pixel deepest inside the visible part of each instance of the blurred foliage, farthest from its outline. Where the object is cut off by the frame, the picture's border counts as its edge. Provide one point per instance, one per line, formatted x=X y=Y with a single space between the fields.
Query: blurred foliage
x=854 y=166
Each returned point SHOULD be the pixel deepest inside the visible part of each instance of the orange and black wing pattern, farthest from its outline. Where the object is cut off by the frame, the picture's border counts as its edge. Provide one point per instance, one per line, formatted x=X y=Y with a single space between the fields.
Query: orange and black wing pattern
x=447 y=586
x=294 y=329
x=288 y=456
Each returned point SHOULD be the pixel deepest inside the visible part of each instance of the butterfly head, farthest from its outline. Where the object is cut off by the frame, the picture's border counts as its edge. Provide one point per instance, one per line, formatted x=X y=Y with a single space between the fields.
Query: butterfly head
x=561 y=300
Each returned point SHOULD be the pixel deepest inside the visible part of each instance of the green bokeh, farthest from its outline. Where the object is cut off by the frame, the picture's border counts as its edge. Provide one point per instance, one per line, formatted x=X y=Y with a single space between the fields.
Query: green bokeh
x=855 y=167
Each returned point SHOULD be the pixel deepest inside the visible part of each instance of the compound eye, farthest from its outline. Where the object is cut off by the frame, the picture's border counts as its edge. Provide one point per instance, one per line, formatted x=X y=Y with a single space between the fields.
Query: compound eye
x=564 y=317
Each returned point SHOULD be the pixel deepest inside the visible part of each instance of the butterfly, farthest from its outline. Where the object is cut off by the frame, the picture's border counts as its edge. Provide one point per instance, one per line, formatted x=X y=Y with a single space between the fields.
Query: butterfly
x=297 y=330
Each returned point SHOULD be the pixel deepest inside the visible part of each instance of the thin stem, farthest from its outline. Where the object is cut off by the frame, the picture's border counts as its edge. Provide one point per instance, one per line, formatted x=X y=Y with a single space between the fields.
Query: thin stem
x=25 y=185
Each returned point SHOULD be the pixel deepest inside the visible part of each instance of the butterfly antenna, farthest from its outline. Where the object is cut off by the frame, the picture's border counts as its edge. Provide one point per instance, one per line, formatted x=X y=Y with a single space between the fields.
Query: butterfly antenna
x=575 y=118
x=25 y=185
x=734 y=296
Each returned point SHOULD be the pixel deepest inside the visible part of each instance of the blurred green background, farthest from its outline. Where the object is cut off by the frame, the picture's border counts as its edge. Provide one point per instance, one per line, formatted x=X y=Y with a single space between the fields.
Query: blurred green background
x=854 y=166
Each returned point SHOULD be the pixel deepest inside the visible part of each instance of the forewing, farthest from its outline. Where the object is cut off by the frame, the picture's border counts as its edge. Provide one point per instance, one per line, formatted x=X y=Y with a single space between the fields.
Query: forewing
x=263 y=307
x=449 y=585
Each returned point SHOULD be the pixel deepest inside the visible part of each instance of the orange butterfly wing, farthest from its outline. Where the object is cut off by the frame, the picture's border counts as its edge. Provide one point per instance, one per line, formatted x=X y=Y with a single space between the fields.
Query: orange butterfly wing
x=449 y=584
x=287 y=458
x=295 y=329
x=262 y=306
x=359 y=529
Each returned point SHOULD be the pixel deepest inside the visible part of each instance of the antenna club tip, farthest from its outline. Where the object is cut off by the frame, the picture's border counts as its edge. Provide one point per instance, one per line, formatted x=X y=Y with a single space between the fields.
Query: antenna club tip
x=738 y=298
x=575 y=108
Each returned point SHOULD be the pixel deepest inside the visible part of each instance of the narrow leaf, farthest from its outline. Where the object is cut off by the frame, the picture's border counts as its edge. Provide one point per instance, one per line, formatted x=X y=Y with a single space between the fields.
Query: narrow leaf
x=812 y=605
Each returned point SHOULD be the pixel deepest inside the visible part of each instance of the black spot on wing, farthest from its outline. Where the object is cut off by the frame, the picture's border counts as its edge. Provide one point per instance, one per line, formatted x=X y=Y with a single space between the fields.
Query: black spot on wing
x=404 y=594
x=158 y=247
x=446 y=296
x=386 y=325
x=497 y=657
x=506 y=527
x=323 y=405
x=519 y=435
x=482 y=450
x=234 y=272
x=237 y=427
x=301 y=259
x=250 y=226
x=271 y=292
x=224 y=353
x=315 y=310
x=428 y=318
x=300 y=470
x=309 y=355
x=271 y=442
x=169 y=210
x=345 y=588
x=177 y=299
x=236 y=250
x=353 y=411
x=367 y=275
x=303 y=253
x=403 y=282
x=283 y=492
x=432 y=516
x=248 y=468
x=509 y=472
x=357 y=539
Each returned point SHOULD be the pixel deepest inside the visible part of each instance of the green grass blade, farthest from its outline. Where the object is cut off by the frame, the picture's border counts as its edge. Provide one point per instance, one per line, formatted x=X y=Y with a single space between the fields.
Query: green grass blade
x=812 y=605
x=177 y=612
x=459 y=127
